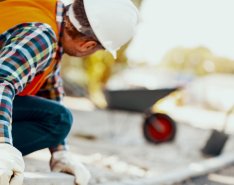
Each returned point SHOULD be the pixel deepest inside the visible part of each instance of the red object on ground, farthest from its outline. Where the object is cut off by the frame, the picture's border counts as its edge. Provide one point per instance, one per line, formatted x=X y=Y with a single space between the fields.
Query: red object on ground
x=159 y=128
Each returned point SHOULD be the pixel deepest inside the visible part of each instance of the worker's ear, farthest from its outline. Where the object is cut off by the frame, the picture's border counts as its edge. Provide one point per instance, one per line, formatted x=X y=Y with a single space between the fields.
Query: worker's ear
x=87 y=45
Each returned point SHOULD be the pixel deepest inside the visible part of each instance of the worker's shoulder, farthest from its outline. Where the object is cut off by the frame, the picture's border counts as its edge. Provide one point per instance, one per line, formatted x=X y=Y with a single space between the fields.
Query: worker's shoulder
x=34 y=29
x=38 y=28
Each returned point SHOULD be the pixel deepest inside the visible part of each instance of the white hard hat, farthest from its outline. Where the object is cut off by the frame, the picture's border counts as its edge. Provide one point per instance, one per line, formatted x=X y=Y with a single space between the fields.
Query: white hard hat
x=112 y=21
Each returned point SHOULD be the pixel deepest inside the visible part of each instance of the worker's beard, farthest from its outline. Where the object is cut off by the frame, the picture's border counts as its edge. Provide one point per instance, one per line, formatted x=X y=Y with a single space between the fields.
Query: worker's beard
x=75 y=53
x=72 y=52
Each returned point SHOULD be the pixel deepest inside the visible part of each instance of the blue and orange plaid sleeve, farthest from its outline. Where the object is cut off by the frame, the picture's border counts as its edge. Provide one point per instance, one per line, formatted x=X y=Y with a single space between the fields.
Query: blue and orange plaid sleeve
x=25 y=50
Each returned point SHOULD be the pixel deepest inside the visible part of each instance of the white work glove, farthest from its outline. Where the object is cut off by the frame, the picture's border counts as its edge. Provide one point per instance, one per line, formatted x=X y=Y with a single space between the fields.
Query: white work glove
x=11 y=165
x=62 y=161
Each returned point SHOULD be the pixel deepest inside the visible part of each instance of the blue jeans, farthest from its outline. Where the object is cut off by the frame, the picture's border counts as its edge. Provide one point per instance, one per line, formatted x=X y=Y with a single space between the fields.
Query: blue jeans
x=39 y=123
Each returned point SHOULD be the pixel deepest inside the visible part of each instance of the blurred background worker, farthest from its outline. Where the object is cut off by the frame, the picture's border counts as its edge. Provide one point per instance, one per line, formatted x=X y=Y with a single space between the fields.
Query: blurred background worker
x=33 y=36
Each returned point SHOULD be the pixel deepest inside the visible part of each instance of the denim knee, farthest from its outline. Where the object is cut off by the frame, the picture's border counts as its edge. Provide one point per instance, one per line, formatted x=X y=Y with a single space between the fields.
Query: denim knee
x=63 y=122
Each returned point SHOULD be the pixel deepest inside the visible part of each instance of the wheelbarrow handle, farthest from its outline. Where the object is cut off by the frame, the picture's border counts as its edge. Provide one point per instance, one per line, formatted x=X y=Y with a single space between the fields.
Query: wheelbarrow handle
x=229 y=112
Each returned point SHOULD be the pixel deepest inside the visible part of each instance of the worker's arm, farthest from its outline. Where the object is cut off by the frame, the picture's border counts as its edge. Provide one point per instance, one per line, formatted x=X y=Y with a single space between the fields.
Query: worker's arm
x=61 y=159
x=24 y=52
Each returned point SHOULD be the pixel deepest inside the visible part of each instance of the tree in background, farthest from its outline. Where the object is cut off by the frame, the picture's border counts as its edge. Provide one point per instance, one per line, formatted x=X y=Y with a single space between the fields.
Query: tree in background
x=198 y=61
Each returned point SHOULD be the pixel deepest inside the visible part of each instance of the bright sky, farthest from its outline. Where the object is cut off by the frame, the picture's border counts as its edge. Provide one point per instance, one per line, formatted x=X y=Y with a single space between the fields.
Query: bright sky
x=167 y=24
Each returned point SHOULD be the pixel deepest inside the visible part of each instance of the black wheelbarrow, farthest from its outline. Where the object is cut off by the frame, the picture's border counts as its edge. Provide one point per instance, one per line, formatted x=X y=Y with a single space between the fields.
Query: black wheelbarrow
x=157 y=127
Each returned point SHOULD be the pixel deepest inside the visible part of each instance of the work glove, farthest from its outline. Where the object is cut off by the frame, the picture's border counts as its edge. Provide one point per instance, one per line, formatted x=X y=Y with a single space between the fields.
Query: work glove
x=11 y=165
x=61 y=161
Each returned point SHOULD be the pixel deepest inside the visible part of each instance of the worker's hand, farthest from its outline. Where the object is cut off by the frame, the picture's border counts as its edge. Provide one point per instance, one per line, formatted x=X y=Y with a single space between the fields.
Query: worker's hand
x=61 y=161
x=11 y=165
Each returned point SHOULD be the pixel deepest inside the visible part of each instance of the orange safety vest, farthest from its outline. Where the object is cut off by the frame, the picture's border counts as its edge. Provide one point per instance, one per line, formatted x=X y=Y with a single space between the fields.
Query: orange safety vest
x=14 y=12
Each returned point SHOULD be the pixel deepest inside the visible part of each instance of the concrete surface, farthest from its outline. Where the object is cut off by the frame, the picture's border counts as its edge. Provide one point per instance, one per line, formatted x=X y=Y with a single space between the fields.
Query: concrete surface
x=111 y=145
x=220 y=177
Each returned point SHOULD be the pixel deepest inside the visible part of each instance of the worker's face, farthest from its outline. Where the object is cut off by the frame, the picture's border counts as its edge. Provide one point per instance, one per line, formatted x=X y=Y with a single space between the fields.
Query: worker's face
x=78 y=47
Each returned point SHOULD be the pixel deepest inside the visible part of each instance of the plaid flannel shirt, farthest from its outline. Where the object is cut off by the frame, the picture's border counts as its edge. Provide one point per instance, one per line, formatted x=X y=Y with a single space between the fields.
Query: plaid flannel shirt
x=25 y=50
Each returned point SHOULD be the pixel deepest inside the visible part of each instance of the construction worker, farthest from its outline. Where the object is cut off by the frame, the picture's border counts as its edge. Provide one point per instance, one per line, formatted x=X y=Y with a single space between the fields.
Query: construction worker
x=33 y=36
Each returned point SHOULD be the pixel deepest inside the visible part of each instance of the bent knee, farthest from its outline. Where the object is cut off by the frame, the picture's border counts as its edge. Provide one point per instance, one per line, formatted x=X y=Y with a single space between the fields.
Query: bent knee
x=63 y=123
x=66 y=117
